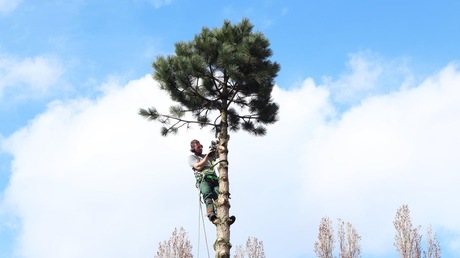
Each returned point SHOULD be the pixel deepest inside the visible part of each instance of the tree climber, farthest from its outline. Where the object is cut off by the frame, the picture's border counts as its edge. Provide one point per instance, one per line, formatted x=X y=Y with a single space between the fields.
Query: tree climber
x=206 y=179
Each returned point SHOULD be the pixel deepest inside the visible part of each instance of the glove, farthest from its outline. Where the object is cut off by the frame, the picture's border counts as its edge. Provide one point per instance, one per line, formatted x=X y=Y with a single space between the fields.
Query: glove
x=211 y=150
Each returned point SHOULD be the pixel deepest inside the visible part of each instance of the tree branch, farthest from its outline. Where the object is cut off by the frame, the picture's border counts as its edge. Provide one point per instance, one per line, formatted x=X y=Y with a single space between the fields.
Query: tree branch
x=180 y=120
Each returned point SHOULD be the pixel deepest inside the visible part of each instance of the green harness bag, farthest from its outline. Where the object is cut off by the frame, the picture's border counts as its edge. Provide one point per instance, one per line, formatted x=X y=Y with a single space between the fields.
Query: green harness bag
x=209 y=175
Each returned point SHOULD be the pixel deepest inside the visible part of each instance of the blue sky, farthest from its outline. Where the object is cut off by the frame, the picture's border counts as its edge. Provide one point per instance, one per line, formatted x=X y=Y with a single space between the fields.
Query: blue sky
x=92 y=40
x=369 y=113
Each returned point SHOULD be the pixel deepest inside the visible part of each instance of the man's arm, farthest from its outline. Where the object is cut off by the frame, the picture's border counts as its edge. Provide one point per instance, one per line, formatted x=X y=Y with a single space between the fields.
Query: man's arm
x=200 y=164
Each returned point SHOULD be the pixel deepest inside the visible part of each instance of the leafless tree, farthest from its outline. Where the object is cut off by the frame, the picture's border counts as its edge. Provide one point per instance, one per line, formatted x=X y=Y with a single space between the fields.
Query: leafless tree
x=407 y=238
x=239 y=252
x=254 y=249
x=178 y=246
x=433 y=248
x=348 y=240
x=325 y=243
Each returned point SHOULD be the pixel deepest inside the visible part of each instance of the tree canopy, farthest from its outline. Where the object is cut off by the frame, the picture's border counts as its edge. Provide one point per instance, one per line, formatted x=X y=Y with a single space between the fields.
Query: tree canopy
x=225 y=70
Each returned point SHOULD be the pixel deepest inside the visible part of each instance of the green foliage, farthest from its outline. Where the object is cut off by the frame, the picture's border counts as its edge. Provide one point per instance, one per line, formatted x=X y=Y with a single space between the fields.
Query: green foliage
x=150 y=113
x=177 y=111
x=226 y=70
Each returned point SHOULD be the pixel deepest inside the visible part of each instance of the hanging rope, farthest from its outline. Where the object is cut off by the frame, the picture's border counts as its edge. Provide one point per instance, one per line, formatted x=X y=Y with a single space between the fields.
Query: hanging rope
x=201 y=212
x=204 y=228
x=199 y=228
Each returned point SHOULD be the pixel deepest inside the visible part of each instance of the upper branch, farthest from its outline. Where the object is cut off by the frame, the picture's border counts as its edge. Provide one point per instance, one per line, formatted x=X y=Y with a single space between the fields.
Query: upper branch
x=152 y=114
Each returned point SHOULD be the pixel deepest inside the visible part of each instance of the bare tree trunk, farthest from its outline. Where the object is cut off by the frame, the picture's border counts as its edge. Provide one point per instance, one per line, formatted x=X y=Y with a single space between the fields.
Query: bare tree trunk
x=222 y=245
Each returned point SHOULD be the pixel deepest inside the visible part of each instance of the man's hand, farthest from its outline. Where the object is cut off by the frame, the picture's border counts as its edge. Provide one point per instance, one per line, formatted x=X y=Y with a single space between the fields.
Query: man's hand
x=211 y=150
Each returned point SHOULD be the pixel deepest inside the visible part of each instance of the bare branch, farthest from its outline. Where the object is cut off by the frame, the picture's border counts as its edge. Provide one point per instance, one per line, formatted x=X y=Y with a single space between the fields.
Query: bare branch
x=182 y=120
x=407 y=238
x=433 y=248
x=348 y=241
x=325 y=243
x=254 y=249
x=178 y=246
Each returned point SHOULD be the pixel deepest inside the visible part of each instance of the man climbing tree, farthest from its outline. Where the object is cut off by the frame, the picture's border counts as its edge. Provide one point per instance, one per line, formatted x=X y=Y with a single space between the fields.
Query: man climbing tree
x=223 y=79
x=206 y=179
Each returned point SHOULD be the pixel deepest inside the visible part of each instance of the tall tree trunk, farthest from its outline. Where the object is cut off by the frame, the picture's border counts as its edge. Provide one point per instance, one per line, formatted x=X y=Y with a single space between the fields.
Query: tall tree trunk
x=222 y=245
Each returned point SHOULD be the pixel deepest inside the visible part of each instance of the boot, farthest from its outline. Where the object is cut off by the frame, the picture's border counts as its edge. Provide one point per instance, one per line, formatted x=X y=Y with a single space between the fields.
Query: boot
x=210 y=210
x=231 y=220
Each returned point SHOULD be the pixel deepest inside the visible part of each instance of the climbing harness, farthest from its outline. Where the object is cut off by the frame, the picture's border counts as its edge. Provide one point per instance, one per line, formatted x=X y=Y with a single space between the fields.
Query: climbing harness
x=208 y=175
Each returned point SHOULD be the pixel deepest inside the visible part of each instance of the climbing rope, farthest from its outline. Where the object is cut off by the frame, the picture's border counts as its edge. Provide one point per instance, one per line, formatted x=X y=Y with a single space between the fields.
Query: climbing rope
x=215 y=164
x=204 y=228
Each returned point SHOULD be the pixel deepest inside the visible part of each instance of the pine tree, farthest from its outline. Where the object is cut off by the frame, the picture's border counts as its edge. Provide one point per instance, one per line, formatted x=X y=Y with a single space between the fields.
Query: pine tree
x=223 y=78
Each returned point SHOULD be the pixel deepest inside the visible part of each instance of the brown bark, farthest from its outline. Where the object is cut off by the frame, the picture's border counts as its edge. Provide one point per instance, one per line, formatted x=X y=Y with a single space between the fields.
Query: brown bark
x=222 y=245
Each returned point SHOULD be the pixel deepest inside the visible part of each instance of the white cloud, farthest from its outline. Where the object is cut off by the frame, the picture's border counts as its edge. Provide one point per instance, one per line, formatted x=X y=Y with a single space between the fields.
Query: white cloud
x=368 y=74
x=30 y=76
x=7 y=6
x=391 y=150
x=81 y=191
x=93 y=179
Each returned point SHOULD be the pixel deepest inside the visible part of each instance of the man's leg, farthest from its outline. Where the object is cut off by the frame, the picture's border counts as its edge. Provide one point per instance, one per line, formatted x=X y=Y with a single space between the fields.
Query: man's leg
x=208 y=193
x=232 y=218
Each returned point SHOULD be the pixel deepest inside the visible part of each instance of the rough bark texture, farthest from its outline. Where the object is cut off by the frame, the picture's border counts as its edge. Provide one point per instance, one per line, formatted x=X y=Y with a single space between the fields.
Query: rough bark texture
x=222 y=245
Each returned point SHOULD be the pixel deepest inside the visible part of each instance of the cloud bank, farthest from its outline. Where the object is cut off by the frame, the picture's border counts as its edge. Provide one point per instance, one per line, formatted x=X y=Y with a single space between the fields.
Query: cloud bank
x=91 y=178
